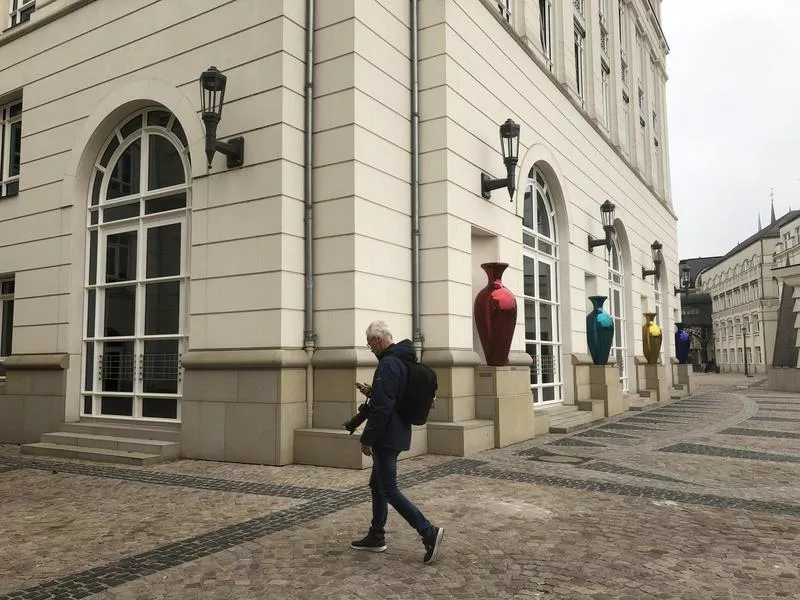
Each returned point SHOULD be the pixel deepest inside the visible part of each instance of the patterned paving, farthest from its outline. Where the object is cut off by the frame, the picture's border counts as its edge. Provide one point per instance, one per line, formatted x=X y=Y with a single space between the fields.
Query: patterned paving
x=706 y=450
x=554 y=517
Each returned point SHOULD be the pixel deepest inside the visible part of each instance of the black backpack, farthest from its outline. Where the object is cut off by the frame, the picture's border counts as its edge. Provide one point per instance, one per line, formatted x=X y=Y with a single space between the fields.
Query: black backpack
x=420 y=393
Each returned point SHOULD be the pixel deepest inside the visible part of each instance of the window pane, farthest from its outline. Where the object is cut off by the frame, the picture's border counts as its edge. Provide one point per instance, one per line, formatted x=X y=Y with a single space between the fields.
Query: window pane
x=88 y=375
x=12 y=188
x=120 y=311
x=545 y=247
x=91 y=310
x=164 y=251
x=16 y=145
x=529 y=270
x=160 y=367
x=157 y=205
x=7 y=328
x=165 y=165
x=98 y=182
x=177 y=129
x=542 y=216
x=527 y=216
x=118 y=366
x=117 y=406
x=124 y=179
x=131 y=126
x=160 y=408
x=528 y=240
x=158 y=118
x=162 y=308
x=530 y=320
x=87 y=405
x=121 y=212
x=546 y=325
x=531 y=349
x=110 y=149
x=121 y=257
x=545 y=282
x=93 y=258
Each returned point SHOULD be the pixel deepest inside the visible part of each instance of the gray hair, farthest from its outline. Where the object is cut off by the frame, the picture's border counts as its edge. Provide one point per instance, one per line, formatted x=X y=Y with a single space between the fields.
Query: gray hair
x=378 y=330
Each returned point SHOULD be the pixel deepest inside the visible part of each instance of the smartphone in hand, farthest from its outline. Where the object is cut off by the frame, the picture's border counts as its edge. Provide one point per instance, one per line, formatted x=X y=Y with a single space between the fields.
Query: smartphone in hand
x=365 y=389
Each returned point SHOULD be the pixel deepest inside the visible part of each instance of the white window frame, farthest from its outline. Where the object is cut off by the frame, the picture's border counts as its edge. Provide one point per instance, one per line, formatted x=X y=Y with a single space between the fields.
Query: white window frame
x=605 y=89
x=20 y=11
x=6 y=124
x=580 y=60
x=6 y=312
x=626 y=122
x=546 y=30
x=541 y=249
x=616 y=308
x=506 y=9
x=97 y=226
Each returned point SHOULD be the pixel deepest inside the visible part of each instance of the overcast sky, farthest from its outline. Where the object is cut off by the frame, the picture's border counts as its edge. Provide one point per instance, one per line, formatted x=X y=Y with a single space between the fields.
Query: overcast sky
x=734 y=116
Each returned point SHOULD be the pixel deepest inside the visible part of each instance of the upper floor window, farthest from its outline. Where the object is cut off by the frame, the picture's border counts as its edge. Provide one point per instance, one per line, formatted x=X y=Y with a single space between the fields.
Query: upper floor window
x=546 y=29
x=580 y=60
x=604 y=44
x=10 y=146
x=505 y=6
x=20 y=11
x=6 y=318
x=605 y=86
x=580 y=7
x=623 y=43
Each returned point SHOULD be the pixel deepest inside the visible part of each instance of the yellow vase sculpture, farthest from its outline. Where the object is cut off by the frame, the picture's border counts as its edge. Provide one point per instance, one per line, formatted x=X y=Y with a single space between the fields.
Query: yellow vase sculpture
x=651 y=339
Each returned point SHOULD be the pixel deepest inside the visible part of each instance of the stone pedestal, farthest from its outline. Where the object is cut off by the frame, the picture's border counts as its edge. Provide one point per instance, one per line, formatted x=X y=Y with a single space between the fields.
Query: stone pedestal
x=653 y=380
x=503 y=395
x=682 y=375
x=605 y=386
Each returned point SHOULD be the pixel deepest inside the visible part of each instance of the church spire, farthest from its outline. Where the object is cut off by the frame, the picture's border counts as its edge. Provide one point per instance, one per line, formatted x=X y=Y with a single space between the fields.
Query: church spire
x=759 y=221
x=772 y=204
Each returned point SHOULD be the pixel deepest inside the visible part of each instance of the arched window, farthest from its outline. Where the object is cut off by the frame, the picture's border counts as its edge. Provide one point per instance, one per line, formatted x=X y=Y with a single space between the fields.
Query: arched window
x=136 y=271
x=616 y=308
x=542 y=308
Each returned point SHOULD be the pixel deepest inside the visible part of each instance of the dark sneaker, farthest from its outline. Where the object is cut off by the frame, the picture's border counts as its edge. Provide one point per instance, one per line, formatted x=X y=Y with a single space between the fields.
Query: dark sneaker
x=369 y=543
x=432 y=544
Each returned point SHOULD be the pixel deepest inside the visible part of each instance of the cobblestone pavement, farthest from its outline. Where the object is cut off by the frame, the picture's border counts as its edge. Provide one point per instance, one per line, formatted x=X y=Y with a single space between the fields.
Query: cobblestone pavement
x=697 y=498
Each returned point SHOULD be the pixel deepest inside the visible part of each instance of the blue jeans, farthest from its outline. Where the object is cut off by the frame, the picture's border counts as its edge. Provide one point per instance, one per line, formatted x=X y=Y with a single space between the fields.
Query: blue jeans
x=383 y=484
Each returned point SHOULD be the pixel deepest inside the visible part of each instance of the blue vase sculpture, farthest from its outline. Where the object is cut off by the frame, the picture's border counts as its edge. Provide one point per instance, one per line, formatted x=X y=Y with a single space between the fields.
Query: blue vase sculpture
x=599 y=331
x=681 y=344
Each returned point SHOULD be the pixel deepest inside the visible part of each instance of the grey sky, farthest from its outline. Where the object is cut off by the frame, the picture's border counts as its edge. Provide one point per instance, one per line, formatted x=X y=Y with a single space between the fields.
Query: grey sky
x=733 y=97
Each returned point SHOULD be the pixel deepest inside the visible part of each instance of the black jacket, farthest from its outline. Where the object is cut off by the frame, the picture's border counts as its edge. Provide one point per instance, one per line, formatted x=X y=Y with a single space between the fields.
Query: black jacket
x=384 y=428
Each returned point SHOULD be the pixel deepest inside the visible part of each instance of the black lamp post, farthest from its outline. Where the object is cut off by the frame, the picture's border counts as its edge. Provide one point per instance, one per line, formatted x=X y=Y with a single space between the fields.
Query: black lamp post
x=212 y=93
x=509 y=142
x=607 y=209
x=686 y=281
x=744 y=343
x=658 y=258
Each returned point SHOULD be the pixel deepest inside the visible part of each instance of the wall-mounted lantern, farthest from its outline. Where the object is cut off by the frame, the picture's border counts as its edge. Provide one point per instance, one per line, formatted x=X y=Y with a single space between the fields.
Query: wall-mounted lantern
x=686 y=281
x=607 y=209
x=212 y=92
x=658 y=258
x=509 y=141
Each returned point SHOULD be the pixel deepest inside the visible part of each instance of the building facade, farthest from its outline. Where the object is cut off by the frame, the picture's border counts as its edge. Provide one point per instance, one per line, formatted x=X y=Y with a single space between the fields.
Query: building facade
x=744 y=296
x=141 y=285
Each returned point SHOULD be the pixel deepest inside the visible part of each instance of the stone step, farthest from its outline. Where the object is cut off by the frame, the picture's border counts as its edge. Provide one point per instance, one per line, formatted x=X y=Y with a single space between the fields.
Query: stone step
x=461 y=438
x=95 y=454
x=123 y=430
x=572 y=422
x=167 y=450
x=337 y=448
x=555 y=409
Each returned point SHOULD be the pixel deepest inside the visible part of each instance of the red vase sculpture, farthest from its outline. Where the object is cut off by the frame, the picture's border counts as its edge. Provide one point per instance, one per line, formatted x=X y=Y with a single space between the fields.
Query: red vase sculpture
x=495 y=315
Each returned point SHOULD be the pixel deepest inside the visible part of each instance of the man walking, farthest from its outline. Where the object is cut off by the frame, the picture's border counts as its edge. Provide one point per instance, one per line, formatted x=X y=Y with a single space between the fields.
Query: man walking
x=385 y=436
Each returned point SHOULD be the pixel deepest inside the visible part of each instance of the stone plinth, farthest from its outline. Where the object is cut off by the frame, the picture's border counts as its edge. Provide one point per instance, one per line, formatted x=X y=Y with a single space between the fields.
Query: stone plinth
x=683 y=376
x=605 y=386
x=652 y=379
x=503 y=395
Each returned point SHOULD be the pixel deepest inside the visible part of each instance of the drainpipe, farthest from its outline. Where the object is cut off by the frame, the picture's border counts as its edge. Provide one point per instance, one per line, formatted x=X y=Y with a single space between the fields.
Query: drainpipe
x=415 y=232
x=309 y=337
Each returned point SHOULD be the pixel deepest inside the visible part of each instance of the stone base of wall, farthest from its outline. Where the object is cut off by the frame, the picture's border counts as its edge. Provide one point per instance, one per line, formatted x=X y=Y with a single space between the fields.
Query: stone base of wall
x=783 y=379
x=243 y=405
x=33 y=397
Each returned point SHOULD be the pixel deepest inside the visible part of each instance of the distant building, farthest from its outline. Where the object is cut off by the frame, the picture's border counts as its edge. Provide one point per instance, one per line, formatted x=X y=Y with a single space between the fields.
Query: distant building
x=744 y=297
x=697 y=311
